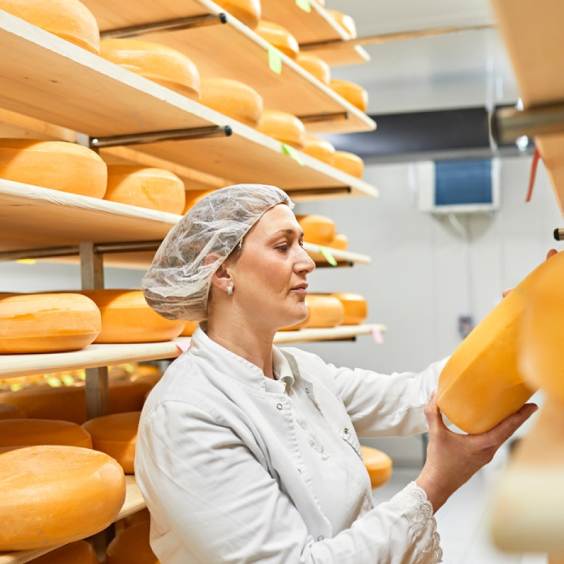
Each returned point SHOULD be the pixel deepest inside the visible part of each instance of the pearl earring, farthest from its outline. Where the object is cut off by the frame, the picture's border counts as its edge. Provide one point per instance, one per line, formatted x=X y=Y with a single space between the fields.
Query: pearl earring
x=230 y=290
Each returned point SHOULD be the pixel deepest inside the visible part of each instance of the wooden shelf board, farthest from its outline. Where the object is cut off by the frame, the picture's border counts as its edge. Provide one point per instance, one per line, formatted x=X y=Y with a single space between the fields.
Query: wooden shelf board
x=341 y=57
x=332 y=334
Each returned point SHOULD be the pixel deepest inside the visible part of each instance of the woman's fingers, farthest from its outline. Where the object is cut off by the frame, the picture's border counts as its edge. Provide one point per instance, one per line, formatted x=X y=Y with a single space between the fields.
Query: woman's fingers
x=551 y=253
x=433 y=415
x=506 y=292
x=500 y=433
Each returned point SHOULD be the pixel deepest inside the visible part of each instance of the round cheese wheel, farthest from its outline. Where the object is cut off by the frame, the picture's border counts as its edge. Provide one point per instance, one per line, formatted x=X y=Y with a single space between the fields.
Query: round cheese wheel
x=193 y=197
x=116 y=435
x=315 y=66
x=378 y=464
x=189 y=329
x=301 y=325
x=126 y=318
x=131 y=546
x=246 y=11
x=33 y=432
x=9 y=411
x=158 y=63
x=349 y=163
x=137 y=517
x=346 y=23
x=319 y=149
x=233 y=99
x=351 y=92
x=318 y=229
x=79 y=552
x=340 y=242
x=324 y=311
x=53 y=164
x=68 y=19
x=153 y=188
x=356 y=307
x=279 y=37
x=35 y=323
x=53 y=495
x=284 y=127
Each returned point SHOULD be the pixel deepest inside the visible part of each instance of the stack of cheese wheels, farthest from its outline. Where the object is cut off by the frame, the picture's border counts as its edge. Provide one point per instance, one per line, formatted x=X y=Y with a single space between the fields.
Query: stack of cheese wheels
x=279 y=37
x=79 y=552
x=340 y=242
x=319 y=149
x=481 y=384
x=131 y=546
x=346 y=23
x=283 y=127
x=158 y=63
x=356 y=307
x=54 y=495
x=193 y=197
x=246 y=11
x=68 y=19
x=116 y=435
x=318 y=229
x=189 y=328
x=378 y=464
x=315 y=66
x=153 y=188
x=34 y=323
x=53 y=164
x=233 y=99
x=349 y=163
x=34 y=432
x=9 y=411
x=351 y=92
x=324 y=311
x=127 y=318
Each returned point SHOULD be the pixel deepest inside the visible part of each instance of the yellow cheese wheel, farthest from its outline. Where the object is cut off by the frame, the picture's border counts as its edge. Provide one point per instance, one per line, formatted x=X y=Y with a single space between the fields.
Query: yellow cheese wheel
x=131 y=546
x=346 y=23
x=137 y=517
x=356 y=307
x=116 y=435
x=246 y=11
x=68 y=19
x=193 y=197
x=158 y=63
x=378 y=465
x=319 y=149
x=315 y=66
x=324 y=311
x=318 y=229
x=34 y=432
x=349 y=163
x=126 y=318
x=79 y=552
x=53 y=164
x=351 y=92
x=9 y=411
x=279 y=37
x=189 y=329
x=53 y=495
x=301 y=325
x=340 y=242
x=153 y=188
x=284 y=127
x=233 y=99
x=34 y=323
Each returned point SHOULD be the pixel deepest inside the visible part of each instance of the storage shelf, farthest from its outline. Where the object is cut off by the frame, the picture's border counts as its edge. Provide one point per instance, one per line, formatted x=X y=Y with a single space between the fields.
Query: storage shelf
x=344 y=332
x=133 y=502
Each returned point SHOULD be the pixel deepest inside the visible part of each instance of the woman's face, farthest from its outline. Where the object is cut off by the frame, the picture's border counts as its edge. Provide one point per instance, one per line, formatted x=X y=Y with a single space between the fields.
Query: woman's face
x=270 y=275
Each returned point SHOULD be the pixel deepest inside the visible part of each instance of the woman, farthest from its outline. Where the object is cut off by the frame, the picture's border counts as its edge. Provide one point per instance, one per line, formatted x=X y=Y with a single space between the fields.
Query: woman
x=249 y=453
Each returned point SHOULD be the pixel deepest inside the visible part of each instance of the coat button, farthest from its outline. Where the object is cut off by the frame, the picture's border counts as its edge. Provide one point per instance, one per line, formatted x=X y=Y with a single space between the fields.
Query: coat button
x=320 y=538
x=280 y=406
x=346 y=430
x=307 y=390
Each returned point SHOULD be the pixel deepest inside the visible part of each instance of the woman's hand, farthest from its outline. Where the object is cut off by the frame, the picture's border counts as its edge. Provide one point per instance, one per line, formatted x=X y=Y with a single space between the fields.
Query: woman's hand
x=452 y=459
x=550 y=253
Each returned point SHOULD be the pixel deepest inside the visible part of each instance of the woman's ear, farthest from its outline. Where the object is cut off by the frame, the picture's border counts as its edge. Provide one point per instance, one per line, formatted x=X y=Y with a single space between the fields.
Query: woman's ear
x=221 y=278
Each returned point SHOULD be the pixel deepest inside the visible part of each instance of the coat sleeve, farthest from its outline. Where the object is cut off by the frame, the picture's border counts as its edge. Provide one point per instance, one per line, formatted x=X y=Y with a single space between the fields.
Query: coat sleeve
x=212 y=498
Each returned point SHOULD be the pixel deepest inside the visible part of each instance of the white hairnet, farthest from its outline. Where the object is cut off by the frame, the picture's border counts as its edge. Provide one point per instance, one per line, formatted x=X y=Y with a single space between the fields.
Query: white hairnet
x=178 y=281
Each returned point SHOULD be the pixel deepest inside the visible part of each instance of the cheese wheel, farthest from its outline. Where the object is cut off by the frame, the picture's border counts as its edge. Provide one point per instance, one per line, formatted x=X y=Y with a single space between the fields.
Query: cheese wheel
x=189 y=329
x=68 y=19
x=79 y=552
x=34 y=432
x=233 y=99
x=127 y=318
x=153 y=188
x=156 y=62
x=324 y=311
x=246 y=11
x=378 y=465
x=137 y=517
x=35 y=323
x=9 y=411
x=279 y=37
x=481 y=383
x=319 y=149
x=315 y=66
x=356 y=307
x=53 y=495
x=318 y=229
x=193 y=197
x=116 y=435
x=346 y=23
x=349 y=163
x=351 y=92
x=284 y=127
x=53 y=164
x=131 y=546
x=340 y=242
x=301 y=325
x=128 y=396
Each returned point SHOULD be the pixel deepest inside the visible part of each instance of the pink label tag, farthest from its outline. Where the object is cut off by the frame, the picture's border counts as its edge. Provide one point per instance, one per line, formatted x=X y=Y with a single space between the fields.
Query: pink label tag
x=183 y=345
x=376 y=334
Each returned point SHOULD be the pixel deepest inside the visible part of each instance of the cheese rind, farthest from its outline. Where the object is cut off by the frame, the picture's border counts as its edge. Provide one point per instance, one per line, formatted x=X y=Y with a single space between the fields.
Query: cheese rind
x=34 y=432
x=324 y=311
x=356 y=307
x=79 y=552
x=131 y=546
x=345 y=22
x=9 y=411
x=318 y=229
x=283 y=127
x=320 y=149
x=349 y=163
x=316 y=66
x=189 y=328
x=340 y=242
x=193 y=197
x=279 y=37
x=378 y=465
x=351 y=92
x=246 y=11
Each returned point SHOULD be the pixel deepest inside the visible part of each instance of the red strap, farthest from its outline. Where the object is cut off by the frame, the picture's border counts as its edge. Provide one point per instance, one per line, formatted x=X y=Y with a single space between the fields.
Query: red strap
x=534 y=165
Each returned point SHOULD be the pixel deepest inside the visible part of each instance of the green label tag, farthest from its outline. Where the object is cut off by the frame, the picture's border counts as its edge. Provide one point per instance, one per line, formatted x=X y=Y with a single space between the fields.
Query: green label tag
x=304 y=5
x=292 y=153
x=274 y=60
x=328 y=255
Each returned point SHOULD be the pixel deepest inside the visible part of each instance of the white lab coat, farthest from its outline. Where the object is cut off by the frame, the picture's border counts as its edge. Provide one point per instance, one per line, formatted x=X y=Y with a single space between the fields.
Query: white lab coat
x=228 y=478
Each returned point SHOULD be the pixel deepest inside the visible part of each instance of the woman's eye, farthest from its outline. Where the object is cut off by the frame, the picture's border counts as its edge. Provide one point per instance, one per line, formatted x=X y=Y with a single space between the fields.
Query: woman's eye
x=283 y=248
